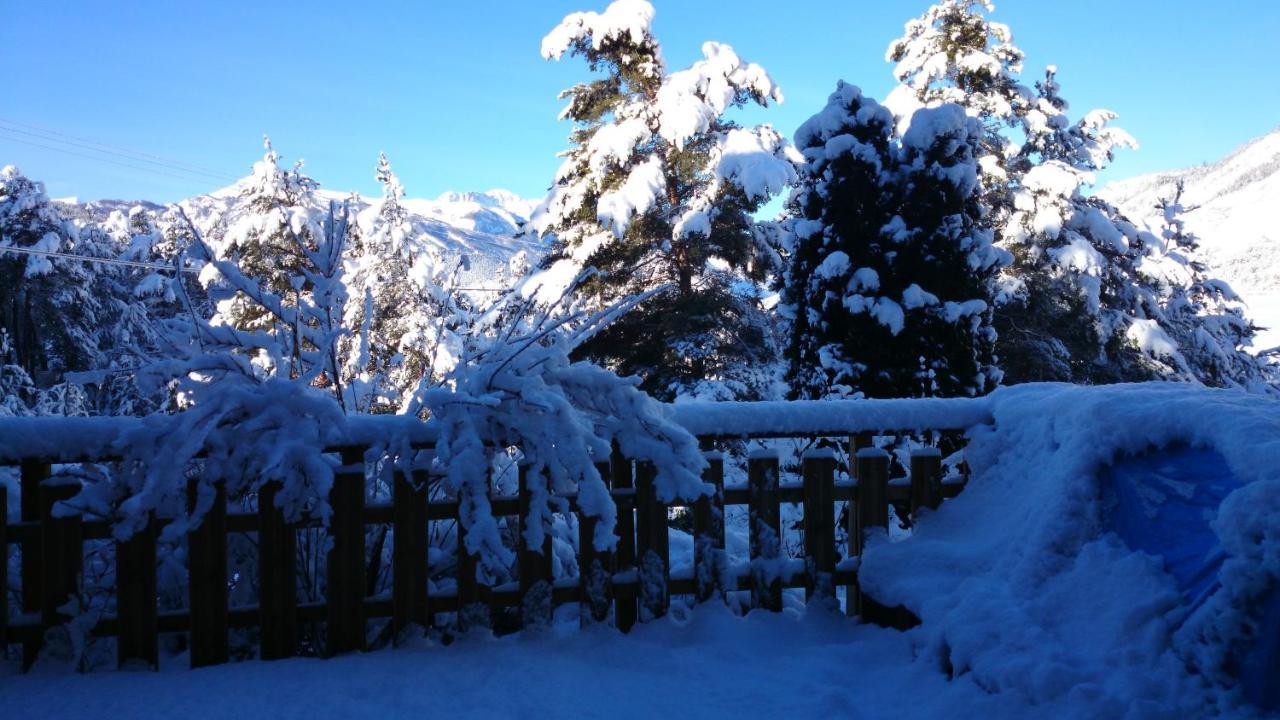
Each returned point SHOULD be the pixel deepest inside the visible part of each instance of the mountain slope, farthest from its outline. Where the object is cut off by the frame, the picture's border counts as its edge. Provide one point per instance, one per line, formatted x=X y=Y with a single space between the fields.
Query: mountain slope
x=1233 y=206
x=480 y=225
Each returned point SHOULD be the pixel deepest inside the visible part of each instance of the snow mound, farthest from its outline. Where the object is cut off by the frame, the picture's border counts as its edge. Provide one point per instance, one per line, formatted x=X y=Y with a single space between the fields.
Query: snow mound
x=1022 y=589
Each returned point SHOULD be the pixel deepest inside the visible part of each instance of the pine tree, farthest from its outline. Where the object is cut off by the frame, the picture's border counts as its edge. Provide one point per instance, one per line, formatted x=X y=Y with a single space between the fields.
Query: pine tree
x=658 y=189
x=402 y=309
x=49 y=306
x=1198 y=319
x=268 y=234
x=1073 y=305
x=890 y=275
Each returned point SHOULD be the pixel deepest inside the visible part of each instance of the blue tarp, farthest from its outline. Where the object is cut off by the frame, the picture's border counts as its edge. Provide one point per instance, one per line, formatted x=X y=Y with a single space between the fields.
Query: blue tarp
x=1162 y=504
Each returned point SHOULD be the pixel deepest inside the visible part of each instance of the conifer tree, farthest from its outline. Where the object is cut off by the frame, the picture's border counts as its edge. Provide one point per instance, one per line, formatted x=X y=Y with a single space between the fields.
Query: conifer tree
x=402 y=309
x=1073 y=305
x=890 y=275
x=268 y=234
x=1207 y=331
x=658 y=189
x=50 y=307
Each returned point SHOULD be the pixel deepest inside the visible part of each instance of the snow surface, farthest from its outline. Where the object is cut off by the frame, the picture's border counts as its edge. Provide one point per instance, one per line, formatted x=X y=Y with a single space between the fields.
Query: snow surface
x=710 y=664
x=1231 y=207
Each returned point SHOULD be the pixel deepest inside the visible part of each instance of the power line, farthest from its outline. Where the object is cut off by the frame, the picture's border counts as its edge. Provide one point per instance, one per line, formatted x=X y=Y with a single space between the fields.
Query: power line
x=102 y=159
x=98 y=146
x=90 y=259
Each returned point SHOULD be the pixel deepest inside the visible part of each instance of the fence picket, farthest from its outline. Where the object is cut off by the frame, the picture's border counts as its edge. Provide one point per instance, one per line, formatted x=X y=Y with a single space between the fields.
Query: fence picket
x=535 y=561
x=33 y=473
x=819 y=468
x=345 y=566
x=138 y=631
x=653 y=563
x=207 y=578
x=708 y=531
x=625 y=607
x=765 y=518
x=61 y=551
x=595 y=567
x=926 y=478
x=277 y=579
x=409 y=553
x=4 y=553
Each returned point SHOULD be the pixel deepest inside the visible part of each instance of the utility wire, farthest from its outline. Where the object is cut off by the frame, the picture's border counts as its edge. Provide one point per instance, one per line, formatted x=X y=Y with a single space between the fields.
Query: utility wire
x=44 y=133
x=155 y=171
x=90 y=259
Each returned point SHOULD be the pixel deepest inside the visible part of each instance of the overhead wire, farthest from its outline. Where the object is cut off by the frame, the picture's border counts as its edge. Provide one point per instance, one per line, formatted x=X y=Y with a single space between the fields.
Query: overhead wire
x=52 y=135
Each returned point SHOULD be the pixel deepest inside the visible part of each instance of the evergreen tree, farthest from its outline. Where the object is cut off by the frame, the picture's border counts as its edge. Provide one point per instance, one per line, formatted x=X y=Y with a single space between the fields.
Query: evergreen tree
x=50 y=307
x=658 y=189
x=1201 y=327
x=890 y=275
x=269 y=233
x=402 y=310
x=1073 y=305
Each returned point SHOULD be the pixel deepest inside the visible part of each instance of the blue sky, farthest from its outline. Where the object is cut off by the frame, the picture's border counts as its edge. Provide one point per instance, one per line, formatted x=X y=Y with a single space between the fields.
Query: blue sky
x=458 y=97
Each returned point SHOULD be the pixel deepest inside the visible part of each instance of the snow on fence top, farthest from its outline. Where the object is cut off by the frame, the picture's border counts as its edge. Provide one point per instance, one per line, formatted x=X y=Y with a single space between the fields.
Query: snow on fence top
x=799 y=418
x=64 y=439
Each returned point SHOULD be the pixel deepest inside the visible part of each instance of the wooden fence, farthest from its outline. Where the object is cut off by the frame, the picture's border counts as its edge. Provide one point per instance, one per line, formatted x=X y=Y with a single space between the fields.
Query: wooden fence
x=632 y=583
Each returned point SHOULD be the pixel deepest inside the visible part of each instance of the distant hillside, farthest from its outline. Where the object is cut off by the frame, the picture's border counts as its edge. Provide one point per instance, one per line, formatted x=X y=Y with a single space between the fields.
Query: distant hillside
x=1234 y=206
x=481 y=225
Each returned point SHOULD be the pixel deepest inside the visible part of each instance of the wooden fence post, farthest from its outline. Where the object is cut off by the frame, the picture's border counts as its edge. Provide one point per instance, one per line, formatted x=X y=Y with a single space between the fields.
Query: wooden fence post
x=873 y=489
x=345 y=564
x=926 y=478
x=207 y=578
x=765 y=529
x=4 y=553
x=873 y=507
x=409 y=552
x=857 y=442
x=473 y=609
x=277 y=578
x=138 y=631
x=535 y=561
x=819 y=470
x=595 y=567
x=708 y=530
x=62 y=551
x=625 y=603
x=653 y=562
x=33 y=472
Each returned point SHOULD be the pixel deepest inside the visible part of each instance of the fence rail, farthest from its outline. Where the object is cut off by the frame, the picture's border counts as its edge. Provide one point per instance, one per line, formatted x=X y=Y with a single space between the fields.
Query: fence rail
x=633 y=583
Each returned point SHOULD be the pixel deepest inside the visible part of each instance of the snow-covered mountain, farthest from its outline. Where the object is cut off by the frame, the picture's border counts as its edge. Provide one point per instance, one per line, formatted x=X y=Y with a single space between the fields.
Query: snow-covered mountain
x=480 y=225
x=1233 y=205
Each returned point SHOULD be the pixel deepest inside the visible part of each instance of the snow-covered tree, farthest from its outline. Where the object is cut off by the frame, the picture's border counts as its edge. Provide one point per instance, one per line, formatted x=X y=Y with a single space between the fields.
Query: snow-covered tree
x=658 y=190
x=1199 y=319
x=890 y=275
x=51 y=307
x=1073 y=304
x=268 y=233
x=403 y=309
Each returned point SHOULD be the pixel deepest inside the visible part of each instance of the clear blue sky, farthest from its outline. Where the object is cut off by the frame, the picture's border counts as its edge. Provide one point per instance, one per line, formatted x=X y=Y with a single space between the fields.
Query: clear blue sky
x=458 y=97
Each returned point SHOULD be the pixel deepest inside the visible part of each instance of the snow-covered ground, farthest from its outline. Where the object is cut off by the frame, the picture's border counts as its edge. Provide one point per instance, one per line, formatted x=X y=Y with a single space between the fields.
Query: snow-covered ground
x=709 y=664
x=1231 y=205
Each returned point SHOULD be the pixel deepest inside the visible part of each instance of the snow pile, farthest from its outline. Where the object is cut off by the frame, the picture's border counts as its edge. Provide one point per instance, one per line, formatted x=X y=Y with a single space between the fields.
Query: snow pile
x=1021 y=589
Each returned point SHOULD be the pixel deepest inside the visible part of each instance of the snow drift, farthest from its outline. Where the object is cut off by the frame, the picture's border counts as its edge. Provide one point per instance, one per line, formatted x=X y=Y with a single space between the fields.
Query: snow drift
x=1023 y=586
